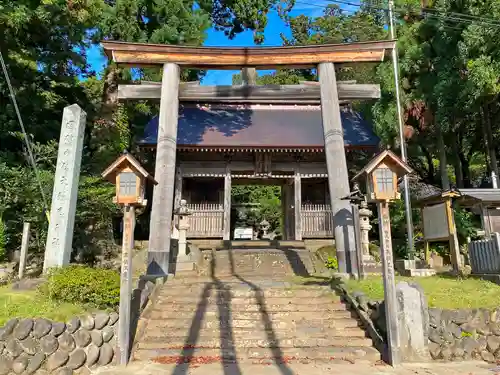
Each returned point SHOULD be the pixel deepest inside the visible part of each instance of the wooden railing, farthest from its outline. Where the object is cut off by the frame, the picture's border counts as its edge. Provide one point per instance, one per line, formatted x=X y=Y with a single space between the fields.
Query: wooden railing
x=206 y=220
x=316 y=220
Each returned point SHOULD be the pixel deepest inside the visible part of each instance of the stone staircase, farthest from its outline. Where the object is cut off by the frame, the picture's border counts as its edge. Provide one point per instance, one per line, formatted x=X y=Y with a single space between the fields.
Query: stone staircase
x=246 y=313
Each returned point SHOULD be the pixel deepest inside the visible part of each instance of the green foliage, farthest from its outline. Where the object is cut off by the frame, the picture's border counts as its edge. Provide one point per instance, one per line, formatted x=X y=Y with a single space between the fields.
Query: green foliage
x=374 y=250
x=332 y=263
x=267 y=200
x=96 y=287
x=466 y=222
x=3 y=241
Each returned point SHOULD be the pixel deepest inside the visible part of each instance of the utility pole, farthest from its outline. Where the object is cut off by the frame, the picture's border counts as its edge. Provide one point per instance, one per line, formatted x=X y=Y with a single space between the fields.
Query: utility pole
x=406 y=184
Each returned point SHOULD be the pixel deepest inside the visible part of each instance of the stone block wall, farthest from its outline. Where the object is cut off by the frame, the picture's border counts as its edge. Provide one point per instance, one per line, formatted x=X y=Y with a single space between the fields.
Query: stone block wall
x=454 y=335
x=40 y=346
x=464 y=334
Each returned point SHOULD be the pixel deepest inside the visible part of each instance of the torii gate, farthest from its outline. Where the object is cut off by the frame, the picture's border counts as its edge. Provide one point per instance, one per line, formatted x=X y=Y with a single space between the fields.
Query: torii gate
x=329 y=94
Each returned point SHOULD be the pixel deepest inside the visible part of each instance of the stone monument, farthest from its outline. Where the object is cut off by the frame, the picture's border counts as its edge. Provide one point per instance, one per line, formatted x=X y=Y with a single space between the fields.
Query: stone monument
x=62 y=215
x=413 y=322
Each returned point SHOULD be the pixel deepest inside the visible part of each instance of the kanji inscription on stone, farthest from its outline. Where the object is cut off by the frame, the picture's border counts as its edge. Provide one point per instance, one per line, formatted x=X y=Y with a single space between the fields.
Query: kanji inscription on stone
x=64 y=195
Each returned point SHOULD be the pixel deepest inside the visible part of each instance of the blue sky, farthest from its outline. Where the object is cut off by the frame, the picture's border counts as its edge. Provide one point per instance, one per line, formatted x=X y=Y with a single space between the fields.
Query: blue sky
x=275 y=27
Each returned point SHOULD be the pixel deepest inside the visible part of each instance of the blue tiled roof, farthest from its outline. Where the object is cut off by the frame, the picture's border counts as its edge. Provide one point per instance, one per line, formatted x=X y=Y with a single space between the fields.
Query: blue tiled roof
x=262 y=126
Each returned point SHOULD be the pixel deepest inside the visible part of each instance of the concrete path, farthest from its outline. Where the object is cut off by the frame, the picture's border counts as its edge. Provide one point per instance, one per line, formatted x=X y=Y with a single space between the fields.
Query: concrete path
x=457 y=368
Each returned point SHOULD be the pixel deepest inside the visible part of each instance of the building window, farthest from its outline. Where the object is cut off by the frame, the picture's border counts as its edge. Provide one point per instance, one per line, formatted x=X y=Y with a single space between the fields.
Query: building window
x=128 y=184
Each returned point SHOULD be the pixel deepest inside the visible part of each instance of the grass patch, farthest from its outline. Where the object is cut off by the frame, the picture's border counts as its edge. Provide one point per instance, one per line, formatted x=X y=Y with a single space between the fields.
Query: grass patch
x=441 y=291
x=31 y=304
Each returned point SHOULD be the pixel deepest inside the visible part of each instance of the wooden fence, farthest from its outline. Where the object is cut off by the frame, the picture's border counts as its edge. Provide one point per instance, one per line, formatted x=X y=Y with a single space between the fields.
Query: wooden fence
x=484 y=255
x=316 y=220
x=206 y=220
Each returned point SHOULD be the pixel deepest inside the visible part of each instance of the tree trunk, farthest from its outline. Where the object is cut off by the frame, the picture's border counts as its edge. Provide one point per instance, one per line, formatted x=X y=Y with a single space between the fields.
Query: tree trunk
x=443 y=164
x=431 y=174
x=465 y=169
x=459 y=177
x=488 y=138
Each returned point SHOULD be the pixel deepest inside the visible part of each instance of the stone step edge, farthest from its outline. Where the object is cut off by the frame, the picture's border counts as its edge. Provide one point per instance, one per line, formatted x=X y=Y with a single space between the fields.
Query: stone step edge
x=186 y=322
x=264 y=353
x=216 y=343
x=354 y=332
x=253 y=299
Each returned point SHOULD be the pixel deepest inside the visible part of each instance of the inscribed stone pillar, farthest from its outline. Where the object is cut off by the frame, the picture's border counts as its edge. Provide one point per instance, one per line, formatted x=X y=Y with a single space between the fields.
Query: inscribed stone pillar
x=62 y=213
x=413 y=322
x=163 y=194
x=336 y=164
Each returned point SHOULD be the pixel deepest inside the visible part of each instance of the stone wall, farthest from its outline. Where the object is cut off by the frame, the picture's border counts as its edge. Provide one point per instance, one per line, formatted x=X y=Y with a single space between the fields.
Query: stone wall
x=464 y=334
x=39 y=346
x=454 y=335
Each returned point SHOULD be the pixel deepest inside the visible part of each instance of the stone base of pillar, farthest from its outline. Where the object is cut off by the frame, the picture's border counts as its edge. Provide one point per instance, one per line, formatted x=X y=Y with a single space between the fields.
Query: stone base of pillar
x=413 y=268
x=184 y=264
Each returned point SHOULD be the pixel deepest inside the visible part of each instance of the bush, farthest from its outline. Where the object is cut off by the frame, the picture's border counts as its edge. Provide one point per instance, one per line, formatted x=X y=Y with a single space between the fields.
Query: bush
x=332 y=263
x=96 y=287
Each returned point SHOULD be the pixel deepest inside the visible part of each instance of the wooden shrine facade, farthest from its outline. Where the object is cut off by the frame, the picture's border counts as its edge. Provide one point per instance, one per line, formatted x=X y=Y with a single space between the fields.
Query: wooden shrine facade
x=224 y=148
x=282 y=145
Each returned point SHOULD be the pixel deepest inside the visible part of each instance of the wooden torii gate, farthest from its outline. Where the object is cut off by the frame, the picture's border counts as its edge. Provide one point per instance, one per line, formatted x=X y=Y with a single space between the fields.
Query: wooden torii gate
x=329 y=93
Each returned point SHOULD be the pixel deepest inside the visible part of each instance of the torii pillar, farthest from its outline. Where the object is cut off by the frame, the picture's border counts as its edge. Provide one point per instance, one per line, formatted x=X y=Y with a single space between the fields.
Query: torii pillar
x=163 y=194
x=336 y=164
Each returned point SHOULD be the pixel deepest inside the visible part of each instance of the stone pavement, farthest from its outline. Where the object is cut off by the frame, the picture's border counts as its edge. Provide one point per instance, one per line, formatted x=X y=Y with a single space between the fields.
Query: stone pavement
x=456 y=368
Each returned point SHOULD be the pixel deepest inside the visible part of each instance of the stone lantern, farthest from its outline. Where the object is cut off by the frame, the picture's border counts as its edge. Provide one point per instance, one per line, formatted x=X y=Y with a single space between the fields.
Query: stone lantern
x=264 y=226
x=184 y=261
x=365 y=227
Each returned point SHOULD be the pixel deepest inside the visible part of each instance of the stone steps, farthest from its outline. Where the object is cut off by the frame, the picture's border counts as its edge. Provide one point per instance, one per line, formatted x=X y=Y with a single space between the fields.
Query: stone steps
x=186 y=322
x=261 y=334
x=255 y=316
x=258 y=312
x=229 y=307
x=234 y=292
x=221 y=297
x=242 y=354
x=241 y=342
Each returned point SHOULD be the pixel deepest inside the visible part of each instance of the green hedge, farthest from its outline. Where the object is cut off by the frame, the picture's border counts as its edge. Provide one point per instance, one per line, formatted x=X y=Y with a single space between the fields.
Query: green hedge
x=96 y=287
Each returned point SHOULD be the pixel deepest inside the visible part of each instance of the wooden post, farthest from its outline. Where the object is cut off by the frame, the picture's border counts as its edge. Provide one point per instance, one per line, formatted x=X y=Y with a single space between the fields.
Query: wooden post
x=456 y=261
x=297 y=204
x=338 y=179
x=227 y=203
x=163 y=195
x=391 y=308
x=25 y=242
x=126 y=283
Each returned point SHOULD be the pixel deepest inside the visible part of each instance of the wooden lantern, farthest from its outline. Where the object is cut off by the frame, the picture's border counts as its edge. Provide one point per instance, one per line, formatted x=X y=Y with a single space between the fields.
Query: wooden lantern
x=381 y=175
x=130 y=179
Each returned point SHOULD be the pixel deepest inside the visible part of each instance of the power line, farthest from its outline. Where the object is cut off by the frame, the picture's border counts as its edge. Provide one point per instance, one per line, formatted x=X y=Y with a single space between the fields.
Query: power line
x=441 y=14
x=26 y=138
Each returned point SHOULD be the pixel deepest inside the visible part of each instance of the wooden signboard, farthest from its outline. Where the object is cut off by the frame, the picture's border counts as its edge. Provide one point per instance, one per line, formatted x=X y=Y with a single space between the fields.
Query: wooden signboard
x=435 y=220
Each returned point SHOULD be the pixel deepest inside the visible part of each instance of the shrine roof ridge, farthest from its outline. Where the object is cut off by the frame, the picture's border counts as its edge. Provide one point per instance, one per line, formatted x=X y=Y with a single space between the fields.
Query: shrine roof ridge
x=204 y=57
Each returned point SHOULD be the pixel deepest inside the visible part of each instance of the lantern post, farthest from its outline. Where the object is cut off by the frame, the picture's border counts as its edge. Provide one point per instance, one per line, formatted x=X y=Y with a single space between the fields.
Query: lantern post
x=381 y=175
x=130 y=179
